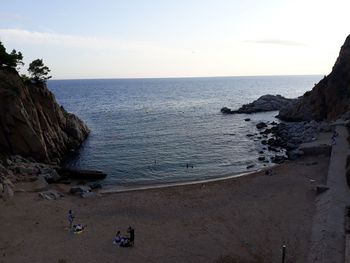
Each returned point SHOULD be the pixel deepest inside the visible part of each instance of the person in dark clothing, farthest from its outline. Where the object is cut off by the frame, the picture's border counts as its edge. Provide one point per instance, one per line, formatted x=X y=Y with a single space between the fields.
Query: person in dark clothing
x=70 y=218
x=131 y=232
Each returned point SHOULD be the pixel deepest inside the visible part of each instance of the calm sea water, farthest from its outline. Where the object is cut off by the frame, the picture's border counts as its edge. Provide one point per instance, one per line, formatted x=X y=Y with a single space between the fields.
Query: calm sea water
x=146 y=131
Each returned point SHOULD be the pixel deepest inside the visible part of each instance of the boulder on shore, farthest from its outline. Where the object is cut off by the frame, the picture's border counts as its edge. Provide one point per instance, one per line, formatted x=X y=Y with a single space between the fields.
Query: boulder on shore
x=82 y=174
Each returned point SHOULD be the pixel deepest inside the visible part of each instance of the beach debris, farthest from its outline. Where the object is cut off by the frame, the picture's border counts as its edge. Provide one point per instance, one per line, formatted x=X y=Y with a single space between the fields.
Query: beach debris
x=250 y=166
x=51 y=195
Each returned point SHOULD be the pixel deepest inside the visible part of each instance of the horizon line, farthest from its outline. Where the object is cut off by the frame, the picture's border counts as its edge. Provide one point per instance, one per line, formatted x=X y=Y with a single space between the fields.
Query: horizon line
x=187 y=77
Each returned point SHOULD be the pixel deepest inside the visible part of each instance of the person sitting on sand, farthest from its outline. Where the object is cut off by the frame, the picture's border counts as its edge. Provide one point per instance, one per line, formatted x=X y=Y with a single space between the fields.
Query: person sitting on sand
x=118 y=238
x=78 y=228
x=124 y=242
x=128 y=241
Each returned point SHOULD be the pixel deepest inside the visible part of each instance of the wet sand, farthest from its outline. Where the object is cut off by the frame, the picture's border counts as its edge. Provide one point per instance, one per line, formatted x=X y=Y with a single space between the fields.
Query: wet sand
x=245 y=219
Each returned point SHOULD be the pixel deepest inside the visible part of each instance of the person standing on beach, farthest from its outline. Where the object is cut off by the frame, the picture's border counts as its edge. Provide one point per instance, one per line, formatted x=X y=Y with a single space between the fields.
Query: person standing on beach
x=70 y=218
x=131 y=232
x=333 y=138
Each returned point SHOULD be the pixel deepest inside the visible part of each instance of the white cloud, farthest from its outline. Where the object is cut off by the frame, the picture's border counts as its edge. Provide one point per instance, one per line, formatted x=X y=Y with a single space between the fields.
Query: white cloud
x=86 y=42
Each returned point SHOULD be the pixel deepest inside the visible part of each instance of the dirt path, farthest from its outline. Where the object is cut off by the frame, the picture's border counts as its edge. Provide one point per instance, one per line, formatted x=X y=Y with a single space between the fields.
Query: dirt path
x=328 y=236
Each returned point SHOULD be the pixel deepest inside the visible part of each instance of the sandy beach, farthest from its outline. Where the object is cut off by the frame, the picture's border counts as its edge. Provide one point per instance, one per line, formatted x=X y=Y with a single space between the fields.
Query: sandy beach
x=244 y=219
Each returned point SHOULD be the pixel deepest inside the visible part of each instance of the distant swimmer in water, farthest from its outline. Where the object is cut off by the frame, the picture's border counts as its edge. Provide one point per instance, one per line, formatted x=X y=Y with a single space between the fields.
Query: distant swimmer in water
x=187 y=165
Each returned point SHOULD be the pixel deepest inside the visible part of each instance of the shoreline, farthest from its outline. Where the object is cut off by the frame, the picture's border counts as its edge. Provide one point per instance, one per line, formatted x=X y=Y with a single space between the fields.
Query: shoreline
x=111 y=189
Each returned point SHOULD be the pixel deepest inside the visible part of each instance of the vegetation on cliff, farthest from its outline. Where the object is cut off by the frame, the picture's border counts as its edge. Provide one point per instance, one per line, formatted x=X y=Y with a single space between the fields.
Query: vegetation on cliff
x=38 y=71
x=10 y=60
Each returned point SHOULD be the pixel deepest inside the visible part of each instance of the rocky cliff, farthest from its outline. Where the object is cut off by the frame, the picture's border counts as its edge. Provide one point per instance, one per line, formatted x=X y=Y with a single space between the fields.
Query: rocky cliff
x=32 y=124
x=329 y=99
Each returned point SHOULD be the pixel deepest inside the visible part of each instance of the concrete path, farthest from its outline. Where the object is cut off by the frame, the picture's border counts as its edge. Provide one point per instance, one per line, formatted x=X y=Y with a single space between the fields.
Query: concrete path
x=328 y=234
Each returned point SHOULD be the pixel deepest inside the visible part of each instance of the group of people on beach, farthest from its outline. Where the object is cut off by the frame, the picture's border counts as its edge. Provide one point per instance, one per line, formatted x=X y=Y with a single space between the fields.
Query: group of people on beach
x=76 y=228
x=120 y=240
x=123 y=241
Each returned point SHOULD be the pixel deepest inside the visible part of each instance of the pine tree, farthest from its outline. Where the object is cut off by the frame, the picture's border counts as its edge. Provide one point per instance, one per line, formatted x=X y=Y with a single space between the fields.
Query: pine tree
x=12 y=60
x=38 y=71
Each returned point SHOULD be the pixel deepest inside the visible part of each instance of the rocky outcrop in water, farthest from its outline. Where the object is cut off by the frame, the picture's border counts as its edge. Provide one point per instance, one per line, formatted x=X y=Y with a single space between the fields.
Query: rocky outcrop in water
x=264 y=103
x=329 y=99
x=32 y=124
x=280 y=141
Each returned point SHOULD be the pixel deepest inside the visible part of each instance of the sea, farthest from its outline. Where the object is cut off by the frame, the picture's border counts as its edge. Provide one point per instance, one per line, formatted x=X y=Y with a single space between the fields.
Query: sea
x=170 y=130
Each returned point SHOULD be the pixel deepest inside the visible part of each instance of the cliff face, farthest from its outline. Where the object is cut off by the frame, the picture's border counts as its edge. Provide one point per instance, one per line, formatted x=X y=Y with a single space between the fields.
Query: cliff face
x=329 y=99
x=32 y=124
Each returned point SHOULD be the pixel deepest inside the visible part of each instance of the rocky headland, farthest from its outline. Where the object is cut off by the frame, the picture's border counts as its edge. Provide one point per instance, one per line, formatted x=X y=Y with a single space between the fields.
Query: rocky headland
x=329 y=99
x=303 y=118
x=35 y=133
x=32 y=124
x=264 y=103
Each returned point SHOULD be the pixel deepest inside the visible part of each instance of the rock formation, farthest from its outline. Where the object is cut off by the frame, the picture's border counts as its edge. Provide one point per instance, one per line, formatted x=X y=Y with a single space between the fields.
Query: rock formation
x=329 y=99
x=264 y=103
x=32 y=124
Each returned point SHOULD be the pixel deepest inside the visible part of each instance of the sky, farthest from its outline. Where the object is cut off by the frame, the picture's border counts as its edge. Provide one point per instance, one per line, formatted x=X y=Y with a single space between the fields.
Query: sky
x=183 y=38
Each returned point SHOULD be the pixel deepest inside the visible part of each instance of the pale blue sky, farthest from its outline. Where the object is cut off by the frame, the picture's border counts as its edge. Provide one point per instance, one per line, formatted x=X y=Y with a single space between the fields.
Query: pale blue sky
x=113 y=39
